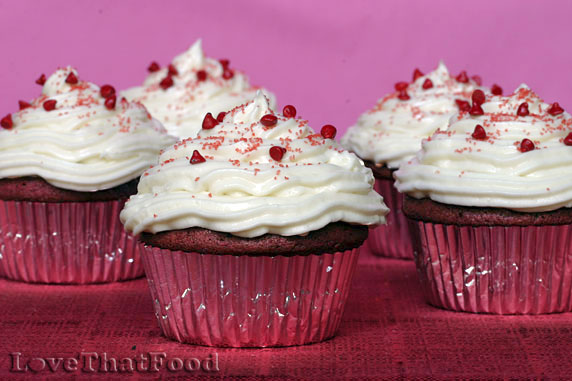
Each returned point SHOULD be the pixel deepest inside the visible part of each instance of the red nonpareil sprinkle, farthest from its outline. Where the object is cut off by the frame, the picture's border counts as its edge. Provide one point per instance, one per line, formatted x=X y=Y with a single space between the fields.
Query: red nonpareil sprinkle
x=23 y=105
x=269 y=120
x=50 y=105
x=555 y=109
x=462 y=77
x=416 y=74
x=197 y=158
x=328 y=131
x=568 y=139
x=110 y=102
x=209 y=122
x=7 y=122
x=224 y=62
x=526 y=145
x=153 y=67
x=401 y=86
x=201 y=75
x=289 y=111
x=522 y=109
x=277 y=153
x=40 y=81
x=496 y=89
x=166 y=82
x=106 y=91
x=403 y=95
x=478 y=80
x=476 y=109
x=72 y=79
x=427 y=84
x=173 y=70
x=478 y=97
x=220 y=116
x=479 y=133
x=227 y=73
x=463 y=105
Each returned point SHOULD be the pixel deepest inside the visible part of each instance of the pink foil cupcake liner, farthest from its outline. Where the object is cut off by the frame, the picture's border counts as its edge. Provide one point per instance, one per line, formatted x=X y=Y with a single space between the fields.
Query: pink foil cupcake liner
x=68 y=242
x=248 y=301
x=392 y=240
x=498 y=269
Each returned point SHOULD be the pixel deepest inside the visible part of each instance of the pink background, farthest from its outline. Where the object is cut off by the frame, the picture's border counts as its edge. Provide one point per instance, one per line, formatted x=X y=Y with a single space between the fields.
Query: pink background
x=331 y=59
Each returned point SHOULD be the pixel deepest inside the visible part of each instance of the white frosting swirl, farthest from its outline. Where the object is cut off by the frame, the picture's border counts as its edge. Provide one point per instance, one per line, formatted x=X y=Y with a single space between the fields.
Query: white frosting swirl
x=182 y=107
x=241 y=190
x=80 y=145
x=455 y=168
x=391 y=132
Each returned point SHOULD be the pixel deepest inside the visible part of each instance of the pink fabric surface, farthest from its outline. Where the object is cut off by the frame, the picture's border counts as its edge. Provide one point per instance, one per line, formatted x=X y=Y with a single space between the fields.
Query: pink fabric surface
x=331 y=59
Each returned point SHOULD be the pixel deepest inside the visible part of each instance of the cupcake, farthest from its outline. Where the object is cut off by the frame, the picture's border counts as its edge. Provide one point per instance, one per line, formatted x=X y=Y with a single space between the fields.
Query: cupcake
x=490 y=201
x=68 y=161
x=253 y=229
x=391 y=133
x=181 y=94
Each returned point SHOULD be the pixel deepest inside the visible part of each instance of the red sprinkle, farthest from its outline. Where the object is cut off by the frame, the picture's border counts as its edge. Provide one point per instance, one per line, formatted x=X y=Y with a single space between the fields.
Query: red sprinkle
x=41 y=80
x=427 y=84
x=201 y=75
x=7 y=122
x=220 y=116
x=197 y=158
x=479 y=133
x=50 y=105
x=568 y=139
x=403 y=95
x=555 y=109
x=463 y=105
x=462 y=77
x=289 y=111
x=72 y=79
x=478 y=80
x=227 y=73
x=110 y=102
x=526 y=145
x=106 y=91
x=476 y=109
x=23 y=105
x=209 y=122
x=522 y=109
x=224 y=62
x=173 y=70
x=496 y=89
x=153 y=67
x=269 y=120
x=166 y=82
x=478 y=97
x=401 y=86
x=277 y=153
x=416 y=74
x=328 y=131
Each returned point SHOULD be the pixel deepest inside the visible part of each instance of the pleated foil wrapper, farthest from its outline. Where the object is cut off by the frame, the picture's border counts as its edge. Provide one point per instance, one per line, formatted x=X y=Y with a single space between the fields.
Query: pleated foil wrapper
x=248 y=301
x=392 y=240
x=496 y=270
x=66 y=243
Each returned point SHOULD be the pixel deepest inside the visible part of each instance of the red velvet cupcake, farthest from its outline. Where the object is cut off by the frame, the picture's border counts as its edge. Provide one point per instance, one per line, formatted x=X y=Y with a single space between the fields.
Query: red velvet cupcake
x=490 y=201
x=68 y=161
x=253 y=230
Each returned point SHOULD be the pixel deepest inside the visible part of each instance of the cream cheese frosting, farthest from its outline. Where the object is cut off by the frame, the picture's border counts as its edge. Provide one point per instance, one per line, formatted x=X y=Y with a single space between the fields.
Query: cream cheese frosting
x=80 y=144
x=501 y=169
x=182 y=106
x=391 y=132
x=241 y=189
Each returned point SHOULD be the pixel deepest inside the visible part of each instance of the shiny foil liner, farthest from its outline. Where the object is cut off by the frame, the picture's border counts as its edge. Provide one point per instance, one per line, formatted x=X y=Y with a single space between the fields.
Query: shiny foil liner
x=68 y=242
x=392 y=240
x=248 y=301
x=495 y=269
